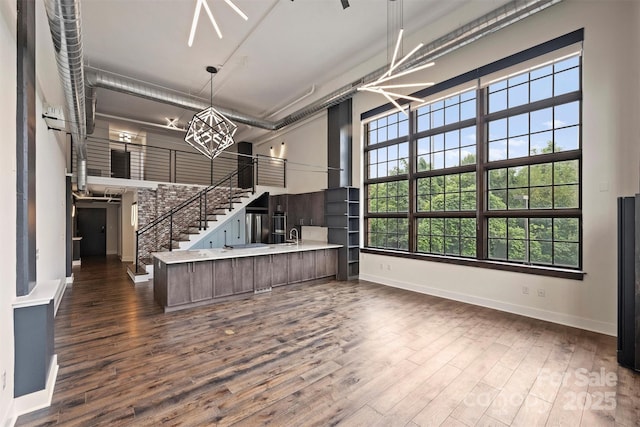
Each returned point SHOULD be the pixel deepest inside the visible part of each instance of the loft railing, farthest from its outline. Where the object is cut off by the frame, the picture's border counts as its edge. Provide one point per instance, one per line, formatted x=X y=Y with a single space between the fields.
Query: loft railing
x=195 y=212
x=147 y=162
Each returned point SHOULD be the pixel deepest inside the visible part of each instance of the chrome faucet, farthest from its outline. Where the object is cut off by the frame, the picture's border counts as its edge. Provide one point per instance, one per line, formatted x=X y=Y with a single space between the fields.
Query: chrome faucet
x=293 y=234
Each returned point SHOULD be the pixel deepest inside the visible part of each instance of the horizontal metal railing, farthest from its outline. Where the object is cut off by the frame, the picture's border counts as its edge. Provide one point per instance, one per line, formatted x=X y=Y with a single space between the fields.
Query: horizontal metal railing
x=146 y=162
x=193 y=213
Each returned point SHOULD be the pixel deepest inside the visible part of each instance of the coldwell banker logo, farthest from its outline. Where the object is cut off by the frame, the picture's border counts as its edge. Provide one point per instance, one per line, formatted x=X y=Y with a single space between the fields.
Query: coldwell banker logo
x=587 y=390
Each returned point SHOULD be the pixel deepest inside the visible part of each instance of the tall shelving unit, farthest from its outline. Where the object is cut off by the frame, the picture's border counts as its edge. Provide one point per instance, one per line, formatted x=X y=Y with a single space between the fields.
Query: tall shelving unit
x=342 y=218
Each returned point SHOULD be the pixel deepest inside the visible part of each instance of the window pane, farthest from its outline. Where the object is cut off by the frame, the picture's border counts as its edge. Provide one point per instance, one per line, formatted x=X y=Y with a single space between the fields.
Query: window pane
x=518 y=198
x=541 y=89
x=566 y=229
x=574 y=61
x=519 y=147
x=403 y=128
x=542 y=71
x=516 y=250
x=541 y=120
x=540 y=252
x=497 y=101
x=518 y=95
x=424 y=122
x=452 y=114
x=452 y=158
x=566 y=81
x=468 y=110
x=468 y=155
x=566 y=139
x=540 y=229
x=567 y=114
x=541 y=143
x=566 y=172
x=518 y=125
x=518 y=177
x=437 y=118
x=497 y=199
x=438 y=160
x=468 y=136
x=566 y=196
x=497 y=179
x=498 y=227
x=498 y=150
x=540 y=198
x=540 y=174
x=438 y=142
x=566 y=254
x=497 y=129
x=498 y=248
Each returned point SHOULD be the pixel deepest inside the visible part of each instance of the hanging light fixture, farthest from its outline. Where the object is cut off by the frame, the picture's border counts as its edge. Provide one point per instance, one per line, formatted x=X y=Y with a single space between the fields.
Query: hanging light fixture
x=203 y=4
x=210 y=132
x=383 y=83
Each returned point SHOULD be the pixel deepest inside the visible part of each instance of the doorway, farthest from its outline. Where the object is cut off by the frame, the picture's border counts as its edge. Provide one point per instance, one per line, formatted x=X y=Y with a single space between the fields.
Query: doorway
x=120 y=162
x=92 y=227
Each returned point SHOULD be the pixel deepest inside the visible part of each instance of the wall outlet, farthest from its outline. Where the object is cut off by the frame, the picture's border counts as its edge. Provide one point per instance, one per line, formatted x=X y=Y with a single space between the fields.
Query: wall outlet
x=525 y=290
x=381 y=266
x=4 y=380
x=389 y=267
x=541 y=293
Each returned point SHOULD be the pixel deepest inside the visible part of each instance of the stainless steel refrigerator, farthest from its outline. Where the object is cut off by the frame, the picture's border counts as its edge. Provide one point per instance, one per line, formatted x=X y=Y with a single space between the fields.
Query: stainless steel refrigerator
x=257 y=228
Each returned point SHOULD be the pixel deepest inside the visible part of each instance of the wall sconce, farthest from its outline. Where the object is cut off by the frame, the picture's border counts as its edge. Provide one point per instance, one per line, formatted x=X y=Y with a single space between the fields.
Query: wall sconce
x=73 y=210
x=134 y=215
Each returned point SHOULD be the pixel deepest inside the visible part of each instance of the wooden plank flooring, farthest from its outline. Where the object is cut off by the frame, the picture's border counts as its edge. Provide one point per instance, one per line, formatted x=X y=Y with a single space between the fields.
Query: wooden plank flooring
x=345 y=353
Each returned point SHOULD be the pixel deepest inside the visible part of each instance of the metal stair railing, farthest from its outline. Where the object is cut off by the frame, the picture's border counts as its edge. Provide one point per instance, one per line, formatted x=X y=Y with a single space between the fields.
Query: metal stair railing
x=198 y=201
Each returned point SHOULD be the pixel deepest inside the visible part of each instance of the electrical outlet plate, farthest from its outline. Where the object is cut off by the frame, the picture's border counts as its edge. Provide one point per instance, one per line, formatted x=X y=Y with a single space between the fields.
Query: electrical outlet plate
x=542 y=293
x=4 y=380
x=525 y=290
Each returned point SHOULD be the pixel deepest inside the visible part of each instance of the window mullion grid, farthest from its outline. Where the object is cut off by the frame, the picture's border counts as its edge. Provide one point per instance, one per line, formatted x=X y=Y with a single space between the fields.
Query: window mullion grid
x=482 y=145
x=412 y=183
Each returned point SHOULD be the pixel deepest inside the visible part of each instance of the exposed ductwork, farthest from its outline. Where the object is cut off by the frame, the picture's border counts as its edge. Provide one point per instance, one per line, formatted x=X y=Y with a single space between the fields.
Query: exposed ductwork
x=64 y=23
x=493 y=21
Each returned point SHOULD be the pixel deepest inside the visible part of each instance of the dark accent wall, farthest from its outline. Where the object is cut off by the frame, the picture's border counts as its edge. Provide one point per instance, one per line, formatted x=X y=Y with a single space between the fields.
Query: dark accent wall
x=339 y=142
x=245 y=177
x=33 y=332
x=69 y=228
x=26 y=149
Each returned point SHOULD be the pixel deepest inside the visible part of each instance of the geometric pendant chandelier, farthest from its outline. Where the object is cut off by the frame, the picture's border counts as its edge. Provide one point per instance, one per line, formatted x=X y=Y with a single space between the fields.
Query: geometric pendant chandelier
x=210 y=132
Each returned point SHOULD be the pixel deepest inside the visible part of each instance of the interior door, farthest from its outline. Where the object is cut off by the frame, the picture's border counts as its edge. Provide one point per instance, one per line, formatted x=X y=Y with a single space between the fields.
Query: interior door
x=120 y=164
x=92 y=227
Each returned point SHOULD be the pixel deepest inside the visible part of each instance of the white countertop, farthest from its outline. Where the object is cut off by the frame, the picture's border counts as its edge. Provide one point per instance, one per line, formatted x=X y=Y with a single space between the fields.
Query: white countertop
x=43 y=293
x=176 y=257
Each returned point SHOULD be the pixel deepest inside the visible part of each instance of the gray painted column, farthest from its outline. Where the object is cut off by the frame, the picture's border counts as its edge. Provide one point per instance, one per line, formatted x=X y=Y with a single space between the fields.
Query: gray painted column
x=339 y=143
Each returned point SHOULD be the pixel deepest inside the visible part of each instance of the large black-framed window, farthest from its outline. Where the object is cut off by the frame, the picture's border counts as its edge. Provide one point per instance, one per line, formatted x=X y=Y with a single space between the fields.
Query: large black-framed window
x=486 y=175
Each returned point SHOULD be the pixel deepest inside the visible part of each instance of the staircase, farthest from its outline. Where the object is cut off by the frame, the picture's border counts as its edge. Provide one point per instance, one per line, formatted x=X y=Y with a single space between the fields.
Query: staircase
x=185 y=224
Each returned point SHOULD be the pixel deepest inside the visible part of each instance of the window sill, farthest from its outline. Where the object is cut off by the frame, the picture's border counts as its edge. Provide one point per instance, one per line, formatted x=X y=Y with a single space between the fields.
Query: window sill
x=493 y=265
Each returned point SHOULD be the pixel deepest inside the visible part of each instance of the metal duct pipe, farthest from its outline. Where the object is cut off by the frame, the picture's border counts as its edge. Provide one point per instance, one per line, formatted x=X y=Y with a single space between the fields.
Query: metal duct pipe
x=493 y=21
x=97 y=78
x=82 y=174
x=64 y=23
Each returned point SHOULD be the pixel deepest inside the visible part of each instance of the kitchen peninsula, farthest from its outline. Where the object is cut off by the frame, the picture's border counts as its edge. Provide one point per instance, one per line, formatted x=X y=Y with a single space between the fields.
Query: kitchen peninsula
x=184 y=279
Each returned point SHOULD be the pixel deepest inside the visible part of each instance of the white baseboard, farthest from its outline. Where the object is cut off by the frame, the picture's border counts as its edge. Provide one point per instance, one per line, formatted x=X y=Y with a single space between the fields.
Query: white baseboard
x=76 y=262
x=39 y=399
x=138 y=278
x=57 y=298
x=69 y=280
x=9 y=418
x=536 y=313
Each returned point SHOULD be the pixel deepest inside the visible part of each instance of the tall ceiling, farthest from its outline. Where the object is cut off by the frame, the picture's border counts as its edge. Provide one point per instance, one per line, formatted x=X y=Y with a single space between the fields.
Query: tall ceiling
x=286 y=49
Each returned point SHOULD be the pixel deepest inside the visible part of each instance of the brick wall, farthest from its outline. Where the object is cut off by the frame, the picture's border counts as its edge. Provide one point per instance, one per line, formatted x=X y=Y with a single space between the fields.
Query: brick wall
x=154 y=203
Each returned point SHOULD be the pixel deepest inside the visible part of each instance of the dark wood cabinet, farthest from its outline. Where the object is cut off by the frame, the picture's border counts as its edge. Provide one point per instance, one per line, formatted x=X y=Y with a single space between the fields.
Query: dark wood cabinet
x=242 y=275
x=201 y=281
x=186 y=284
x=306 y=209
x=302 y=266
x=262 y=272
x=326 y=262
x=223 y=278
x=279 y=269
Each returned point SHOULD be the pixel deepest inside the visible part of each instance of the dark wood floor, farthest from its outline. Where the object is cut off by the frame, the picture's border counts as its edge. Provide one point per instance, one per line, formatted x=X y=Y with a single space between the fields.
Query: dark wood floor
x=324 y=354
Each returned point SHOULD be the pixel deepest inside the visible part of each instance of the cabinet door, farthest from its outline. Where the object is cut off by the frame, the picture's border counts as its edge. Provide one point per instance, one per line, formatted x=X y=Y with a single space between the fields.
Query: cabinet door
x=316 y=206
x=293 y=212
x=222 y=278
x=331 y=260
x=242 y=275
x=295 y=267
x=262 y=269
x=321 y=263
x=178 y=281
x=308 y=265
x=201 y=281
x=279 y=269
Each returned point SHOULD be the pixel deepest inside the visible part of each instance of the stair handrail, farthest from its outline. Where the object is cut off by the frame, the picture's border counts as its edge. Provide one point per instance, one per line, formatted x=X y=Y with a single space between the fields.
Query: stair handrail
x=202 y=218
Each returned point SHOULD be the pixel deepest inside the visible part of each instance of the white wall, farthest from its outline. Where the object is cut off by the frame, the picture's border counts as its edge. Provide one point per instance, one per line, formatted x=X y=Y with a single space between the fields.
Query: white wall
x=112 y=229
x=306 y=151
x=8 y=197
x=610 y=169
x=127 y=237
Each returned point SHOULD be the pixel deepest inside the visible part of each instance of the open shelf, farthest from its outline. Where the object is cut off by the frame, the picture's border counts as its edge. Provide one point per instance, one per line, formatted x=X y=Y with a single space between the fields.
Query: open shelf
x=342 y=218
